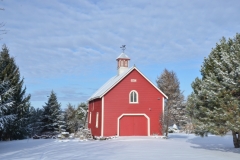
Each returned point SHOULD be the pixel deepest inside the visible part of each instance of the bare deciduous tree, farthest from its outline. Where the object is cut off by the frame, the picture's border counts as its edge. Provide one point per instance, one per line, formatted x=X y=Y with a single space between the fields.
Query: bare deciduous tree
x=169 y=84
x=2 y=24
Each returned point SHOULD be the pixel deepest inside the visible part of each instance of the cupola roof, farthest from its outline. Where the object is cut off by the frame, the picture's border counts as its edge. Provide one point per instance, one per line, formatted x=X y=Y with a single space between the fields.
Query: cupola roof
x=123 y=56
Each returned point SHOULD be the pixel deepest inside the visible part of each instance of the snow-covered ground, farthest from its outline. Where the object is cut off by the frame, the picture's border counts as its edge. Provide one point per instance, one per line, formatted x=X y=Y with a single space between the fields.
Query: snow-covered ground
x=178 y=146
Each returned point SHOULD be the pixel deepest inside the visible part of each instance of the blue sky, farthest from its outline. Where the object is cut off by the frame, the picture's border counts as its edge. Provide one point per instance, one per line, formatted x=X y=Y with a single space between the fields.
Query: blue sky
x=71 y=46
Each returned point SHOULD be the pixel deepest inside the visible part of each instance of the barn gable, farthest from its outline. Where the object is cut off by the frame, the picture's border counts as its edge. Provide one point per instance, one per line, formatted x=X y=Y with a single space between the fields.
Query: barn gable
x=115 y=80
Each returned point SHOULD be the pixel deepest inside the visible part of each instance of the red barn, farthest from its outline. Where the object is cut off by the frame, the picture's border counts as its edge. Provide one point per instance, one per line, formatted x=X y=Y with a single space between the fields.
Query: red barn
x=127 y=105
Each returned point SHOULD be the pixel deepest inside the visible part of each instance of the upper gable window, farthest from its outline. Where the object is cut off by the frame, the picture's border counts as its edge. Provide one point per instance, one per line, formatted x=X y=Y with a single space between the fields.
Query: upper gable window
x=133 y=97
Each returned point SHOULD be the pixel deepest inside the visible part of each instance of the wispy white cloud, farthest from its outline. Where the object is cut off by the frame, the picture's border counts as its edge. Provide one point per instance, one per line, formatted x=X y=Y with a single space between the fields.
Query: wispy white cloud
x=52 y=39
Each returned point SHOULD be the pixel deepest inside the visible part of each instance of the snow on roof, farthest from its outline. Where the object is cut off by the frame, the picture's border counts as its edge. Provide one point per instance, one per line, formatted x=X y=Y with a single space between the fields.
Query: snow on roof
x=111 y=82
x=114 y=80
x=123 y=55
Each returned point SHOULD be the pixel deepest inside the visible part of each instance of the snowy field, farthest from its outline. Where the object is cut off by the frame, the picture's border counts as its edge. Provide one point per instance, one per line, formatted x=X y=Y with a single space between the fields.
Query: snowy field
x=178 y=146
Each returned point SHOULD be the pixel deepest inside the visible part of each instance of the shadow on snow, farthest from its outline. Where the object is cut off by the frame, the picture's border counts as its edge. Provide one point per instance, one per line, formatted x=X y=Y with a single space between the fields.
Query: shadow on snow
x=216 y=143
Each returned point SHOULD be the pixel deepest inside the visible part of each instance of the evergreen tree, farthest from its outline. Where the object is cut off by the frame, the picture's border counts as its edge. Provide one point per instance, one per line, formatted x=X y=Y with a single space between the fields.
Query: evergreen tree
x=35 y=117
x=51 y=112
x=169 y=84
x=215 y=101
x=81 y=112
x=15 y=129
x=6 y=102
x=71 y=119
x=61 y=122
x=182 y=116
x=75 y=117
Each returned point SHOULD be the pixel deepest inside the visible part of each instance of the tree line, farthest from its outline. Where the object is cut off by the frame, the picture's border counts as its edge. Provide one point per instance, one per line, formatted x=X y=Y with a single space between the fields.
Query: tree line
x=214 y=105
x=18 y=119
x=51 y=120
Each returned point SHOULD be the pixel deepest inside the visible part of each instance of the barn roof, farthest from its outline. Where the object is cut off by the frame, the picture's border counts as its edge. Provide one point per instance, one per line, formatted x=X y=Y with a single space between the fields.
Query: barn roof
x=114 y=81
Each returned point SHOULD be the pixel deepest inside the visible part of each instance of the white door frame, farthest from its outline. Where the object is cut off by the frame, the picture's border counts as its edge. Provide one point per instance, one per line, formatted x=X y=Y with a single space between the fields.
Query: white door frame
x=133 y=114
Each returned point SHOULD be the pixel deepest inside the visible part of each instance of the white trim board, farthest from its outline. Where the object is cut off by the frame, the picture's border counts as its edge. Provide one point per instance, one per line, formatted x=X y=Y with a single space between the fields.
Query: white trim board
x=152 y=83
x=133 y=114
x=102 y=126
x=163 y=104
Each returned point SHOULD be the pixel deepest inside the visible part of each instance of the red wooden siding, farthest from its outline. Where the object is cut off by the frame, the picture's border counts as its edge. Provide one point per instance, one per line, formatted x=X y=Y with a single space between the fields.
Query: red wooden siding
x=133 y=126
x=116 y=103
x=94 y=107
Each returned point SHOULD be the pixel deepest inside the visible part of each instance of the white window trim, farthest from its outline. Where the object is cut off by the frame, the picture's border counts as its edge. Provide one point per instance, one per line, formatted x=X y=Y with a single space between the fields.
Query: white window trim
x=90 y=117
x=136 y=97
x=97 y=116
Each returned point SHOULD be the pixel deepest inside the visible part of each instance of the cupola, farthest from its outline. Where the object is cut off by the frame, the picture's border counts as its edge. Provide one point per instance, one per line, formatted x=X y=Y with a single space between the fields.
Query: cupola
x=122 y=62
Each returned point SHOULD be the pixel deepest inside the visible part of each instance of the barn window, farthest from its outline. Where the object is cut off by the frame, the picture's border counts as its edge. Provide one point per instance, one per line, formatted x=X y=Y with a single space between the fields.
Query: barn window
x=97 y=120
x=133 y=97
x=121 y=63
x=90 y=117
x=126 y=64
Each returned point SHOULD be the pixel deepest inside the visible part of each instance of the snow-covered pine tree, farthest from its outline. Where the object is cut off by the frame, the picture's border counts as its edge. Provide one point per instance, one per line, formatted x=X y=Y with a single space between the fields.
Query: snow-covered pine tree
x=75 y=116
x=71 y=118
x=51 y=112
x=170 y=85
x=61 y=122
x=35 y=117
x=81 y=112
x=6 y=102
x=215 y=101
x=182 y=116
x=15 y=129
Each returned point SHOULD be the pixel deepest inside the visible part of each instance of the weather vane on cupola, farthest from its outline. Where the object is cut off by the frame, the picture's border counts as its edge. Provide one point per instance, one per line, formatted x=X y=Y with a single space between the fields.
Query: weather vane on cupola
x=123 y=47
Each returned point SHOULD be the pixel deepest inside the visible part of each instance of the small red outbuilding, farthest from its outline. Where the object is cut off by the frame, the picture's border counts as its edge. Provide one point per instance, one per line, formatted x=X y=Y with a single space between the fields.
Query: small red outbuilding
x=127 y=105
